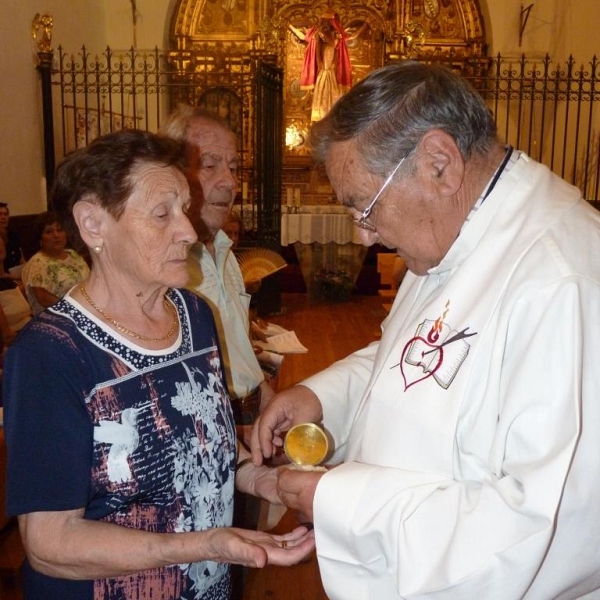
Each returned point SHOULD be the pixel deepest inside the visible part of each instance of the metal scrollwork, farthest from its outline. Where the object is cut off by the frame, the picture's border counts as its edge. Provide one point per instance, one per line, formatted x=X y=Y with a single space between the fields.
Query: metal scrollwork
x=413 y=33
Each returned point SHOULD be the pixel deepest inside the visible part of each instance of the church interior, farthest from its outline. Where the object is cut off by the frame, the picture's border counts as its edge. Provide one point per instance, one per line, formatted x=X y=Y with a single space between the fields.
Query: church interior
x=72 y=73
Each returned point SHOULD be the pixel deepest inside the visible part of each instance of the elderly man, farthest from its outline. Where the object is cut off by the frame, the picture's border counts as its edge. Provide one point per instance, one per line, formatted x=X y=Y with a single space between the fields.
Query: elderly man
x=213 y=269
x=469 y=434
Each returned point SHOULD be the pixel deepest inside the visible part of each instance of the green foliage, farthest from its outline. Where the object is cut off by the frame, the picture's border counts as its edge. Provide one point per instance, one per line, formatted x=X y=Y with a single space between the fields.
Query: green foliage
x=334 y=285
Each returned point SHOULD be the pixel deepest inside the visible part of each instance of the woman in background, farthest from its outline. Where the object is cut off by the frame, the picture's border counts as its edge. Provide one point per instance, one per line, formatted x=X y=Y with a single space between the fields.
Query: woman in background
x=54 y=269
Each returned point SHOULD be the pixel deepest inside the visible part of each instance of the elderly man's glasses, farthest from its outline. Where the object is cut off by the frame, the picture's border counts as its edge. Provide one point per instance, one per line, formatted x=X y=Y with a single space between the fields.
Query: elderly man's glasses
x=362 y=220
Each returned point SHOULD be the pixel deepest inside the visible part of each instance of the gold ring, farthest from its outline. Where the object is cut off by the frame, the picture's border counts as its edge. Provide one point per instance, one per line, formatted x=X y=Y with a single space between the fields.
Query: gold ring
x=284 y=543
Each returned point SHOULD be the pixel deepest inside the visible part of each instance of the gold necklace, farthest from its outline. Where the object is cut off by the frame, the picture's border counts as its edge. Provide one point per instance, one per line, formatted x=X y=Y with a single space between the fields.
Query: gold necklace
x=128 y=332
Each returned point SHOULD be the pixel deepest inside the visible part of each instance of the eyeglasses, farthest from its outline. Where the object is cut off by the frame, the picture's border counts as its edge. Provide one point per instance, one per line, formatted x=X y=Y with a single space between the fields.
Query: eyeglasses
x=362 y=222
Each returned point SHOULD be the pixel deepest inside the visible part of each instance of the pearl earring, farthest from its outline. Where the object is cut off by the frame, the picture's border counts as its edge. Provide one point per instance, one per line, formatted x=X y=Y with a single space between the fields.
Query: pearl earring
x=97 y=249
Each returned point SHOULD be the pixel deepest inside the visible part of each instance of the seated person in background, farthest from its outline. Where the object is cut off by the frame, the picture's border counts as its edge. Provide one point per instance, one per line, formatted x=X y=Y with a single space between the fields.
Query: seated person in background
x=15 y=312
x=14 y=253
x=214 y=271
x=54 y=269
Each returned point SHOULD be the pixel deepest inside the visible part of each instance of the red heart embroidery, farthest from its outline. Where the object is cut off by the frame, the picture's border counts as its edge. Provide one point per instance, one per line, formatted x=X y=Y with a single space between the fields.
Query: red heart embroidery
x=427 y=375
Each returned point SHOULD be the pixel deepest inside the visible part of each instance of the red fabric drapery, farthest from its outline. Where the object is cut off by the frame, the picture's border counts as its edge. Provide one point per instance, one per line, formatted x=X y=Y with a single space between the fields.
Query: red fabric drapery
x=342 y=57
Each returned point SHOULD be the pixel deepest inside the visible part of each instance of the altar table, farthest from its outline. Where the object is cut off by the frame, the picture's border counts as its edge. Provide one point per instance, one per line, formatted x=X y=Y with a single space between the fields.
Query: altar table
x=324 y=237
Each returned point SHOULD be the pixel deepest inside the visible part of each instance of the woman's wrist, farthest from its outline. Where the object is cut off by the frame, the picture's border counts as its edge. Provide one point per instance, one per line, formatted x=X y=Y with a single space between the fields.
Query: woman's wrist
x=258 y=481
x=243 y=463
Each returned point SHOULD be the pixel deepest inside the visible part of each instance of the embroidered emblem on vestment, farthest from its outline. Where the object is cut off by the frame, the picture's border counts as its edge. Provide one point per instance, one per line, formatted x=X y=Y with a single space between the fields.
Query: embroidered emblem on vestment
x=436 y=350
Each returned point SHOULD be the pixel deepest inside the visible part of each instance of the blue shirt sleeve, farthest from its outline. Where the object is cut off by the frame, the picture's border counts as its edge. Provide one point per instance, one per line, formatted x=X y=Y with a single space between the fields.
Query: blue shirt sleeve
x=48 y=430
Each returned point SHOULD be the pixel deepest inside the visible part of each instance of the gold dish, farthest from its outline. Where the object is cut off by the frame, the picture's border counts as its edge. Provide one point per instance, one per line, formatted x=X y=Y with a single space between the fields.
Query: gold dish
x=306 y=445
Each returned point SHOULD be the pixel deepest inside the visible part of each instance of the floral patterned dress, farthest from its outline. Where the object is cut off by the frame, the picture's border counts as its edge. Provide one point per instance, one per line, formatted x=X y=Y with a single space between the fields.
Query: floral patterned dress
x=55 y=275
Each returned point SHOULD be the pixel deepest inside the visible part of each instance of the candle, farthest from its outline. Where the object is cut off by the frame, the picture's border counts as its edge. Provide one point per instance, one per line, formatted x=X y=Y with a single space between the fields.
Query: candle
x=289 y=197
x=244 y=190
x=297 y=196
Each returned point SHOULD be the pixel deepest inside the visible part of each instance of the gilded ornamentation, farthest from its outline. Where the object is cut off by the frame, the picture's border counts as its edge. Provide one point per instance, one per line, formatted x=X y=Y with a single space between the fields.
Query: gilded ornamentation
x=214 y=41
x=41 y=30
x=413 y=33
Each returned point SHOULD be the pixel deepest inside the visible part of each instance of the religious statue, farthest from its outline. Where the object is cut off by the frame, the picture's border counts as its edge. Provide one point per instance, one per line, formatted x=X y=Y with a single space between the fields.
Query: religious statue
x=327 y=69
x=44 y=22
x=411 y=33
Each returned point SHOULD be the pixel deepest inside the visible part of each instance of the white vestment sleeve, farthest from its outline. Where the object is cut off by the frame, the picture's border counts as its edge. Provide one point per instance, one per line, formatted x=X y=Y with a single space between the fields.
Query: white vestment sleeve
x=343 y=385
x=389 y=533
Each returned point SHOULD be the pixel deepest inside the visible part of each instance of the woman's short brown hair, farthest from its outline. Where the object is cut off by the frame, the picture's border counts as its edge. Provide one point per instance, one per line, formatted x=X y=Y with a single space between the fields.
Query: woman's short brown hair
x=101 y=173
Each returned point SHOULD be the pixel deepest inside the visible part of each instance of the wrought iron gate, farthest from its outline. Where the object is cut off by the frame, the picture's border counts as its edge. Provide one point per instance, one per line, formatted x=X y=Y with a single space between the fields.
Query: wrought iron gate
x=550 y=111
x=92 y=95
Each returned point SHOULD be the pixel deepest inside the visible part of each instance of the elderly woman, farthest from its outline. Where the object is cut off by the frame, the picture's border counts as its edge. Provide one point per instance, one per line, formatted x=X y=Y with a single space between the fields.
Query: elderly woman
x=121 y=437
x=54 y=269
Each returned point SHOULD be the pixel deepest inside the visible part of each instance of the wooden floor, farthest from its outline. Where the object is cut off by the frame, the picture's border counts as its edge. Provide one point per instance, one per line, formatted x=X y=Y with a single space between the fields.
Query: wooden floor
x=330 y=332
x=11 y=554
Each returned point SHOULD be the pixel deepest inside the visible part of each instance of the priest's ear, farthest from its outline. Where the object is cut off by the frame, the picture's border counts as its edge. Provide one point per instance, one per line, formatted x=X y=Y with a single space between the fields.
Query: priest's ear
x=444 y=162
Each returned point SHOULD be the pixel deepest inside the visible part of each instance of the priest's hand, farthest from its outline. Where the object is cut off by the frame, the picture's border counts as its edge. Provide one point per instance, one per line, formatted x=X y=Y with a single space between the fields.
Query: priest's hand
x=296 y=488
x=286 y=409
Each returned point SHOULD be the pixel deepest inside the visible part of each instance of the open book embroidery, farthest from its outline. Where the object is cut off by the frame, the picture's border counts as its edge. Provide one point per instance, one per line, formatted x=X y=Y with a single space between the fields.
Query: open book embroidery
x=437 y=351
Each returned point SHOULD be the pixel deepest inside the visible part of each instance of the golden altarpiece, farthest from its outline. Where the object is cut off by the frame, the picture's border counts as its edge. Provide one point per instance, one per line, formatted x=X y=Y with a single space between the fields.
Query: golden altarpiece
x=221 y=42
x=226 y=37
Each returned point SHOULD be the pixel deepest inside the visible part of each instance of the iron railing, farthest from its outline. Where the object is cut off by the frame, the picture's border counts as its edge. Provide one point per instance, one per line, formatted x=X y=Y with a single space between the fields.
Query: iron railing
x=96 y=94
x=551 y=111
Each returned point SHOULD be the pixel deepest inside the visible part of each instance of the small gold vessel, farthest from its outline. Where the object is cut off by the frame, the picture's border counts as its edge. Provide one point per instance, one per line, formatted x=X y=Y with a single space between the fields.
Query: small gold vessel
x=306 y=445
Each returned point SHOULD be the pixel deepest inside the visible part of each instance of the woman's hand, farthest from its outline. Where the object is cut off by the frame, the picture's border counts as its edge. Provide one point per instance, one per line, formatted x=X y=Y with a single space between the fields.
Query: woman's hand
x=258 y=548
x=259 y=481
x=44 y=297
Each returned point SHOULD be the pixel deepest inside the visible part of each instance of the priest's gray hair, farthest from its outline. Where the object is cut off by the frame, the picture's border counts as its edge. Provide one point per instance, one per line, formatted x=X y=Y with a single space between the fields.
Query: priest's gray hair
x=388 y=112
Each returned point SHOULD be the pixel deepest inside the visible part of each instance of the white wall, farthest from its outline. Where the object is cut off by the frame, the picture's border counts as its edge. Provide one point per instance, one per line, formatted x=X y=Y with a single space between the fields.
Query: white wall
x=556 y=27
x=560 y=27
x=95 y=23
x=153 y=19
x=21 y=161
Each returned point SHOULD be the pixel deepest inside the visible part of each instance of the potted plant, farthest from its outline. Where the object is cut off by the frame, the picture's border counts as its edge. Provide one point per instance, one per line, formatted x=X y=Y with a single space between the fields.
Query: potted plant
x=333 y=284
